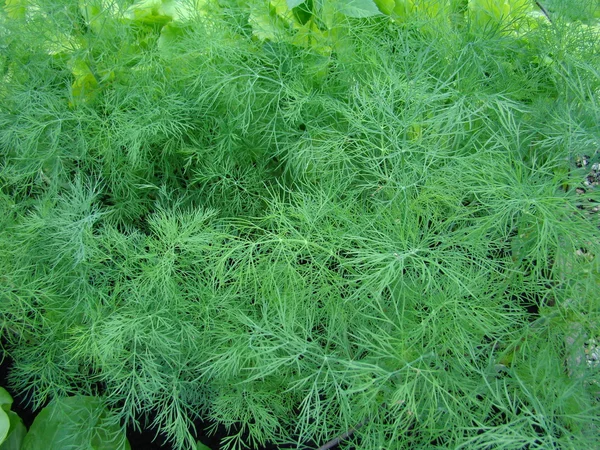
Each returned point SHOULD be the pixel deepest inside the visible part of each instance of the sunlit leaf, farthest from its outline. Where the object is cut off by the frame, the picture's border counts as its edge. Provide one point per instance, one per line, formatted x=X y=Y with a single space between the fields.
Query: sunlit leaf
x=181 y=11
x=5 y=399
x=99 y=15
x=492 y=13
x=293 y=3
x=74 y=422
x=15 y=9
x=148 y=11
x=85 y=85
x=4 y=425
x=358 y=8
x=12 y=429
x=385 y=6
x=16 y=433
x=201 y=446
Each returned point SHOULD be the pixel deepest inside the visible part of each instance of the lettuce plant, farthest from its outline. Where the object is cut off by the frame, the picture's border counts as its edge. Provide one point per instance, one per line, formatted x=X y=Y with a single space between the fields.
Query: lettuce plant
x=75 y=422
x=304 y=221
x=12 y=429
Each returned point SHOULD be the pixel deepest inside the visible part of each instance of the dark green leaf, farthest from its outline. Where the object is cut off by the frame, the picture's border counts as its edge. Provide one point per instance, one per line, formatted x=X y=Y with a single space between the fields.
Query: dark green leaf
x=304 y=11
x=201 y=446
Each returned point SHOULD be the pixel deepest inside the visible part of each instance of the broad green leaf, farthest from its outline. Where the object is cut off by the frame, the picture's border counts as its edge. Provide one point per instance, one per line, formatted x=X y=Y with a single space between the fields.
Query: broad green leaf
x=484 y=13
x=16 y=434
x=5 y=399
x=15 y=9
x=358 y=8
x=148 y=11
x=280 y=8
x=266 y=27
x=163 y=11
x=273 y=23
x=63 y=44
x=304 y=12
x=78 y=422
x=484 y=10
x=99 y=15
x=4 y=425
x=169 y=34
x=12 y=429
x=404 y=8
x=181 y=10
x=293 y=3
x=201 y=446
x=386 y=6
x=85 y=87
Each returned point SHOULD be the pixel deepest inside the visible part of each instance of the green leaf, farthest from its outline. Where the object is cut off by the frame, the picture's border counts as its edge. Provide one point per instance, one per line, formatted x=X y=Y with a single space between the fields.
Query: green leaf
x=99 y=15
x=485 y=13
x=5 y=399
x=169 y=35
x=85 y=86
x=16 y=433
x=404 y=9
x=304 y=12
x=74 y=422
x=201 y=446
x=148 y=11
x=4 y=425
x=358 y=8
x=15 y=9
x=182 y=11
x=163 y=11
x=12 y=429
x=385 y=6
x=293 y=3
x=272 y=24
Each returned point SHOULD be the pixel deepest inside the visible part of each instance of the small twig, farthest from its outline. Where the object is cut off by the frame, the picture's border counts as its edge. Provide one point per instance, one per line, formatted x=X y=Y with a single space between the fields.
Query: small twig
x=544 y=11
x=335 y=441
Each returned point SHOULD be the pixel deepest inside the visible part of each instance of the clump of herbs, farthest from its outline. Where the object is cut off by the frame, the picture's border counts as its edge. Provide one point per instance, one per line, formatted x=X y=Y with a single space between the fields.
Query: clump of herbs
x=290 y=234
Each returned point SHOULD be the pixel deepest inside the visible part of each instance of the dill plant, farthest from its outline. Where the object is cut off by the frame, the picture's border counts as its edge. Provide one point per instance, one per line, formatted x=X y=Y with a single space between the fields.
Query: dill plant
x=289 y=232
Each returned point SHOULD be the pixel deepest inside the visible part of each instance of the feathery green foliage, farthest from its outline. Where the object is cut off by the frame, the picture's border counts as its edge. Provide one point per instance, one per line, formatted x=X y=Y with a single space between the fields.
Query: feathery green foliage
x=293 y=221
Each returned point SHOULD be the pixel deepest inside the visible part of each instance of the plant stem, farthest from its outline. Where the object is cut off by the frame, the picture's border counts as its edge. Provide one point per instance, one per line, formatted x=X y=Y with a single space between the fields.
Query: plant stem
x=335 y=441
x=544 y=11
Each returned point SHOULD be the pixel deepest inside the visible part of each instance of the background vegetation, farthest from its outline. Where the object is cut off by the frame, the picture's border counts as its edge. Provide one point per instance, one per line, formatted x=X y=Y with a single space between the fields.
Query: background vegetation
x=293 y=218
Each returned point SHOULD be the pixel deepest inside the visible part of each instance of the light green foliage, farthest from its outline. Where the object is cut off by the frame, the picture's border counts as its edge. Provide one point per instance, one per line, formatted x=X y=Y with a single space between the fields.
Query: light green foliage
x=287 y=219
x=358 y=8
x=581 y=10
x=12 y=429
x=74 y=423
x=5 y=402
